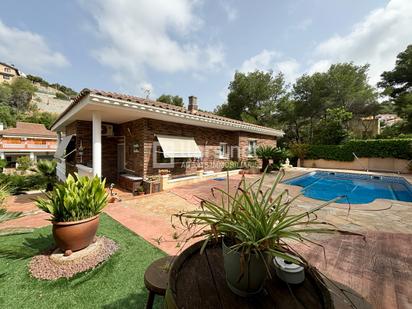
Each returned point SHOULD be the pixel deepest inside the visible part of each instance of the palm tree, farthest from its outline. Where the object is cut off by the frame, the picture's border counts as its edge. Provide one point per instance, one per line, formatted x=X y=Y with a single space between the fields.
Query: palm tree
x=265 y=153
x=47 y=169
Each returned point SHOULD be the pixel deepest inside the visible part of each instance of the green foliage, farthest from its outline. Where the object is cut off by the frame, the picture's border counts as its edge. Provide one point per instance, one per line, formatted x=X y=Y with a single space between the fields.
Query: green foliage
x=22 y=90
x=3 y=163
x=378 y=148
x=299 y=150
x=74 y=199
x=255 y=219
x=397 y=85
x=171 y=99
x=7 y=115
x=66 y=90
x=17 y=184
x=332 y=129
x=45 y=118
x=253 y=97
x=93 y=288
x=62 y=96
x=24 y=163
x=47 y=170
x=344 y=86
x=265 y=152
x=7 y=215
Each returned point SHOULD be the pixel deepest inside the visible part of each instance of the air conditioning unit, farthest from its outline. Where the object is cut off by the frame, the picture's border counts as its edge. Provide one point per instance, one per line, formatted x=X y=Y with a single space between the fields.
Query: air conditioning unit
x=107 y=130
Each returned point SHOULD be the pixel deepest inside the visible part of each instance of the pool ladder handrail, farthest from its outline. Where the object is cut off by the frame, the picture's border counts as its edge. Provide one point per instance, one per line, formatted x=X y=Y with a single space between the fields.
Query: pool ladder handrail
x=356 y=157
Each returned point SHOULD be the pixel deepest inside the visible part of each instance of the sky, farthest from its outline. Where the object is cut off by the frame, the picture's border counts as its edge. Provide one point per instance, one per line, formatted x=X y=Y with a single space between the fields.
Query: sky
x=184 y=47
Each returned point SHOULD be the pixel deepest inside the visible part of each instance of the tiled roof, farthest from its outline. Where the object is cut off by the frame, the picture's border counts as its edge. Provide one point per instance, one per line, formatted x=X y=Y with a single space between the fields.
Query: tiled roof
x=29 y=129
x=133 y=99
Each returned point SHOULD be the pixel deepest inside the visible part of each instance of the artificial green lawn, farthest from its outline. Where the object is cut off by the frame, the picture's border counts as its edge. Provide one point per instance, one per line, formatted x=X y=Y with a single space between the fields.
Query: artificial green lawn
x=117 y=283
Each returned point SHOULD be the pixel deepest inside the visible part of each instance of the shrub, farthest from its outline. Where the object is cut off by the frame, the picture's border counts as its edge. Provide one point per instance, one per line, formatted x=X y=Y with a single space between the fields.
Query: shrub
x=299 y=150
x=74 y=199
x=24 y=163
x=378 y=148
x=18 y=184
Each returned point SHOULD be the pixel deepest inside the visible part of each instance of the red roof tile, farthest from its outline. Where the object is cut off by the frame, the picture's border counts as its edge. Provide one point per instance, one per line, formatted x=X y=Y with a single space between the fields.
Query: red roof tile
x=149 y=102
x=28 y=129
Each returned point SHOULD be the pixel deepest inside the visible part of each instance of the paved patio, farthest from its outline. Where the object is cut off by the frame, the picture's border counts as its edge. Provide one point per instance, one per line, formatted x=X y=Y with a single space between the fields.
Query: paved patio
x=379 y=268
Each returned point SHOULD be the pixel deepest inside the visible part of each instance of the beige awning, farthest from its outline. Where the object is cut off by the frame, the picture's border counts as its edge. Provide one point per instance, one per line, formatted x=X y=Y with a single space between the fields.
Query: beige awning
x=61 y=149
x=179 y=146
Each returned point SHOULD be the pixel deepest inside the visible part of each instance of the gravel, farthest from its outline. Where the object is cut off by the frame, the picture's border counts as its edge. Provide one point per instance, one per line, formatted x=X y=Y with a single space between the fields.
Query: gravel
x=44 y=267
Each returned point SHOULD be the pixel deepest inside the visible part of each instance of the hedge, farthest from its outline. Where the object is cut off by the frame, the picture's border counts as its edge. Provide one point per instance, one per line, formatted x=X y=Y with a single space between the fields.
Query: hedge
x=376 y=148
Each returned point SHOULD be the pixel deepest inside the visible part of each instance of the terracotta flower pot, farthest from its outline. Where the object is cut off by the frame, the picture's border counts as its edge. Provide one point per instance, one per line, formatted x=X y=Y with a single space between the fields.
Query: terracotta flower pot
x=75 y=235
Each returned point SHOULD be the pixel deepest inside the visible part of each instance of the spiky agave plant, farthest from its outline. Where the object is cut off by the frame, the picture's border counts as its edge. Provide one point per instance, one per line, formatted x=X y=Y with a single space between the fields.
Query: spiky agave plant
x=255 y=220
x=76 y=199
x=4 y=214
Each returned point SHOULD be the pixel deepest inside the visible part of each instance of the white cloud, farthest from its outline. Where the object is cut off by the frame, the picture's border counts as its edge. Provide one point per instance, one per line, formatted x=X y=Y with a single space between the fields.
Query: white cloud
x=150 y=34
x=320 y=66
x=28 y=51
x=272 y=60
x=376 y=40
x=230 y=10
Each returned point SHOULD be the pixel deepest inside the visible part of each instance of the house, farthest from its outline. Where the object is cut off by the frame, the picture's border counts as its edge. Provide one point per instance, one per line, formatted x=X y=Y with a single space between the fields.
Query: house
x=107 y=134
x=8 y=73
x=27 y=139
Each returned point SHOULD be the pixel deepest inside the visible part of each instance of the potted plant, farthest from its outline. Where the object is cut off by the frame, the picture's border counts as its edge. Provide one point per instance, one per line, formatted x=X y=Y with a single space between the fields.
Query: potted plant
x=299 y=151
x=253 y=224
x=75 y=206
x=163 y=172
x=151 y=184
x=140 y=190
x=265 y=153
x=252 y=166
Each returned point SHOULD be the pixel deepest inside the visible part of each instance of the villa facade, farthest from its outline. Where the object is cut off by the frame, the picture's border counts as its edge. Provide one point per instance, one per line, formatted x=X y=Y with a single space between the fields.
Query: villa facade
x=26 y=139
x=109 y=134
x=8 y=73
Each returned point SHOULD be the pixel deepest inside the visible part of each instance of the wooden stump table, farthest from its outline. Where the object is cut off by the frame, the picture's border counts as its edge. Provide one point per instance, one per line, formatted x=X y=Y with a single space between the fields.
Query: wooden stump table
x=198 y=281
x=156 y=277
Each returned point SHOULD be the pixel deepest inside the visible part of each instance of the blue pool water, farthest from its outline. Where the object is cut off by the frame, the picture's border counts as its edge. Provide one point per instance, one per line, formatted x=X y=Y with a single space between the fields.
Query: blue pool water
x=358 y=188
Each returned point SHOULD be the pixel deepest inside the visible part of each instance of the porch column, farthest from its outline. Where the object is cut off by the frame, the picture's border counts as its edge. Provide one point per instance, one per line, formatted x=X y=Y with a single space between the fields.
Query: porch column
x=59 y=137
x=2 y=156
x=97 y=144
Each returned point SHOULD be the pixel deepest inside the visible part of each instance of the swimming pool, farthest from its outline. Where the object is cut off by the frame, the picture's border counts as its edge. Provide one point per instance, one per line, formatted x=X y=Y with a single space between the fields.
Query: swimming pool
x=358 y=188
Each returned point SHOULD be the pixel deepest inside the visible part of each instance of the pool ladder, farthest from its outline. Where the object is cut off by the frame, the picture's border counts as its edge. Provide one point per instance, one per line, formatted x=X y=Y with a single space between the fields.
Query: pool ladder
x=356 y=157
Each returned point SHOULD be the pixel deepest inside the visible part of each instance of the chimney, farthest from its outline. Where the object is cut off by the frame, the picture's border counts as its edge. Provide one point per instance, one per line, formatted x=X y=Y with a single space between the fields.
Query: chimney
x=192 y=104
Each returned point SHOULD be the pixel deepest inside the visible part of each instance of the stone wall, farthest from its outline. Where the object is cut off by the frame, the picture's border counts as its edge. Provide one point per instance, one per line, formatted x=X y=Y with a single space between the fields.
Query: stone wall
x=371 y=164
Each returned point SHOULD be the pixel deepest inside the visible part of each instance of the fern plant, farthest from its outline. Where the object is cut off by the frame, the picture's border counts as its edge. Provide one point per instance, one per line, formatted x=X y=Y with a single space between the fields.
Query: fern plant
x=76 y=199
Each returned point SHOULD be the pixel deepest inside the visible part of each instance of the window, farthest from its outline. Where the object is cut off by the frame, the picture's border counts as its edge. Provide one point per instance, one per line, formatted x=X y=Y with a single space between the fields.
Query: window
x=251 y=150
x=6 y=77
x=223 y=151
x=7 y=70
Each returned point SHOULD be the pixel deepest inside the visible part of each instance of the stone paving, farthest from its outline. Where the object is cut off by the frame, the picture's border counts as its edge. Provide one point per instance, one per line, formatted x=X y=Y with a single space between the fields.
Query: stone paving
x=379 y=269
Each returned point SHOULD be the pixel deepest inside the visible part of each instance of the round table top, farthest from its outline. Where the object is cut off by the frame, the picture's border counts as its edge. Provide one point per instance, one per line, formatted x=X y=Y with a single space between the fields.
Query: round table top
x=156 y=275
x=198 y=281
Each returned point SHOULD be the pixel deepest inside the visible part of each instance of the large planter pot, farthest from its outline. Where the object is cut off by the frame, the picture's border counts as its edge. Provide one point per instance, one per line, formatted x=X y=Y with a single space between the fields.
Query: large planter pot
x=254 y=272
x=76 y=235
